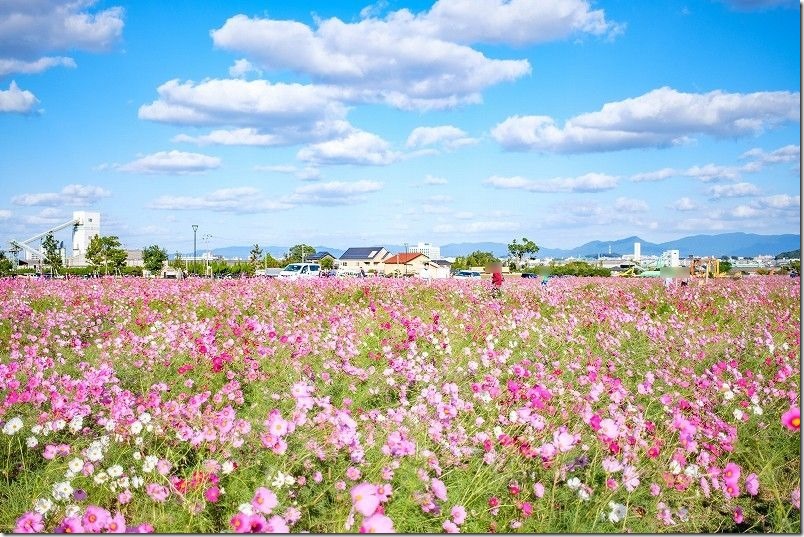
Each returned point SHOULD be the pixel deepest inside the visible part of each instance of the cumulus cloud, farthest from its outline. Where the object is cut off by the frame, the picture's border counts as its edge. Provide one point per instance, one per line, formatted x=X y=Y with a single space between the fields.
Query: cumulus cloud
x=744 y=211
x=736 y=190
x=431 y=180
x=779 y=201
x=447 y=136
x=48 y=216
x=232 y=200
x=788 y=153
x=246 y=136
x=659 y=118
x=334 y=193
x=630 y=205
x=73 y=194
x=5 y=214
x=31 y=29
x=757 y=5
x=357 y=147
x=171 y=163
x=658 y=175
x=706 y=173
x=241 y=68
x=16 y=100
x=684 y=204
x=590 y=182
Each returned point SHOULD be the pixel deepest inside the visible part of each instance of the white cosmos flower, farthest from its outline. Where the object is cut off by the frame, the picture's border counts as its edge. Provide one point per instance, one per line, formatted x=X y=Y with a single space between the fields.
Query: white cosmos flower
x=61 y=491
x=31 y=442
x=618 y=512
x=76 y=424
x=757 y=410
x=675 y=467
x=115 y=471
x=573 y=483
x=36 y=429
x=136 y=427
x=110 y=425
x=101 y=477
x=12 y=426
x=42 y=505
x=246 y=509
x=76 y=465
x=59 y=424
x=227 y=467
x=145 y=418
x=94 y=453
x=72 y=510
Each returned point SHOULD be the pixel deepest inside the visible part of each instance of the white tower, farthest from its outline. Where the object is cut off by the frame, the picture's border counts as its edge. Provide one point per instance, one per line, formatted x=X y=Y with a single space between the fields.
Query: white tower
x=637 y=251
x=87 y=226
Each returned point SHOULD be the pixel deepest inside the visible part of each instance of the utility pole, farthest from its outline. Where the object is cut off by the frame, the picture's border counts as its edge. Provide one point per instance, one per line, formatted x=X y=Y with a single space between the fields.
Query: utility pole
x=195 y=251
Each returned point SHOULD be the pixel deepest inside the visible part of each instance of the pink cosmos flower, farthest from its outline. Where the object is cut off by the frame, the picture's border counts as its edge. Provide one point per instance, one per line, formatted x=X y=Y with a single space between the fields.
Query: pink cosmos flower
x=264 y=500
x=731 y=473
x=158 y=493
x=95 y=518
x=212 y=494
x=795 y=498
x=30 y=522
x=527 y=509
x=738 y=515
x=538 y=490
x=116 y=523
x=458 y=514
x=70 y=524
x=655 y=489
x=450 y=527
x=377 y=524
x=277 y=524
x=609 y=428
x=365 y=499
x=792 y=419
x=257 y=523
x=731 y=489
x=353 y=473
x=439 y=489
x=752 y=484
x=124 y=497
x=240 y=523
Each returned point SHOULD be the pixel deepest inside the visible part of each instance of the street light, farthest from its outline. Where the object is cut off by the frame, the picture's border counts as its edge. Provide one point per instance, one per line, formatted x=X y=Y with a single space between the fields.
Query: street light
x=195 y=252
x=406 y=260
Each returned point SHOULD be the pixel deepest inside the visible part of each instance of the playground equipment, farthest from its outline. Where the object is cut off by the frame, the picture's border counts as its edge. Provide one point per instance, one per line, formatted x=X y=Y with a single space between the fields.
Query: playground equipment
x=702 y=267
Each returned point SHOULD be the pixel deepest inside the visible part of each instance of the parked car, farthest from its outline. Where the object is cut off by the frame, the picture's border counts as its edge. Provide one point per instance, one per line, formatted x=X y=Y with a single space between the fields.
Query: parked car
x=468 y=274
x=529 y=275
x=296 y=271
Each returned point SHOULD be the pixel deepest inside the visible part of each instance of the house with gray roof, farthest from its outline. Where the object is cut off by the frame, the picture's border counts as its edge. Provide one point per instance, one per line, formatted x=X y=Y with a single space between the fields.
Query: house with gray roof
x=367 y=258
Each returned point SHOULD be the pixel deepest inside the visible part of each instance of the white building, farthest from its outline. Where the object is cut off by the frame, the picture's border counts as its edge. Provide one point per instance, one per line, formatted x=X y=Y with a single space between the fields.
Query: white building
x=432 y=252
x=637 y=251
x=87 y=226
x=671 y=258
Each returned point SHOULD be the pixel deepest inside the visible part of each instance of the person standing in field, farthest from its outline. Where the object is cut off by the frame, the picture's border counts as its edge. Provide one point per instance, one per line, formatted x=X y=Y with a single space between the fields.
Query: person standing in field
x=496 y=279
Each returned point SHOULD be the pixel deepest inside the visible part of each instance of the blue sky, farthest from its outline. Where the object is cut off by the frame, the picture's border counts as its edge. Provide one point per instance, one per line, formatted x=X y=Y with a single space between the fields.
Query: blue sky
x=350 y=123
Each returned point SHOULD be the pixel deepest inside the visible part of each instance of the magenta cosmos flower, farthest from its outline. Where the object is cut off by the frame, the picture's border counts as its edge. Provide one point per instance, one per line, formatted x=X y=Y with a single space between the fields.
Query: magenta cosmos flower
x=95 y=519
x=365 y=499
x=792 y=419
x=377 y=524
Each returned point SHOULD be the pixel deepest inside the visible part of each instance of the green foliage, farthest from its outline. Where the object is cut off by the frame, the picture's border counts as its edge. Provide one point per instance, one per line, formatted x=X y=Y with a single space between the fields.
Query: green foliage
x=725 y=266
x=106 y=252
x=792 y=254
x=5 y=264
x=255 y=254
x=154 y=258
x=520 y=249
x=52 y=253
x=475 y=259
x=327 y=263
x=578 y=268
x=299 y=252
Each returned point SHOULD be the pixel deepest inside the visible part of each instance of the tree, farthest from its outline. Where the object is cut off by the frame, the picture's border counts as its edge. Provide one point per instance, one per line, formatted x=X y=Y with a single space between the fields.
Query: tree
x=52 y=253
x=519 y=250
x=270 y=262
x=478 y=259
x=106 y=252
x=255 y=254
x=5 y=264
x=154 y=257
x=327 y=263
x=724 y=267
x=299 y=252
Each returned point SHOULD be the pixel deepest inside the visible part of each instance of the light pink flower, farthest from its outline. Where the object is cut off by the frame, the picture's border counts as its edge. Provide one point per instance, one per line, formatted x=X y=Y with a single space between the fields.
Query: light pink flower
x=240 y=523
x=30 y=522
x=264 y=500
x=277 y=524
x=458 y=514
x=731 y=473
x=94 y=519
x=450 y=527
x=365 y=499
x=538 y=490
x=439 y=489
x=752 y=484
x=377 y=523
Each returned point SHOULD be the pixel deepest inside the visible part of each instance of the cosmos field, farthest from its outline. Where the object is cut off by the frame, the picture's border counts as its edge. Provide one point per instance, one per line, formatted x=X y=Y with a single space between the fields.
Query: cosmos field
x=380 y=405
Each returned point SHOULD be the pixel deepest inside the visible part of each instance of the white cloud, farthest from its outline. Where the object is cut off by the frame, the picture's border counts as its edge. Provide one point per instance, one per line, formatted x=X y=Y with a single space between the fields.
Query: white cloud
x=431 y=180
x=712 y=172
x=736 y=190
x=334 y=193
x=788 y=153
x=744 y=211
x=245 y=136
x=684 y=204
x=481 y=226
x=307 y=173
x=47 y=216
x=448 y=136
x=750 y=5
x=171 y=162
x=357 y=147
x=10 y=65
x=73 y=194
x=590 y=182
x=658 y=175
x=31 y=29
x=16 y=100
x=780 y=201
x=233 y=200
x=241 y=68
x=630 y=205
x=398 y=60
x=5 y=214
x=659 y=118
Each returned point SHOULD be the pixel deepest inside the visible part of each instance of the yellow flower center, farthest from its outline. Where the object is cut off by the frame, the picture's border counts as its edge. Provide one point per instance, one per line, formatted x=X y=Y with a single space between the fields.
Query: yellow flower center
x=92 y=518
x=796 y=422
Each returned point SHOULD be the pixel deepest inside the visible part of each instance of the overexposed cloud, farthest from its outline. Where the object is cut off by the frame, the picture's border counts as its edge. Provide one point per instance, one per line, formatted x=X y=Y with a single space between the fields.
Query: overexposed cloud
x=736 y=190
x=73 y=194
x=15 y=100
x=659 y=118
x=171 y=163
x=590 y=182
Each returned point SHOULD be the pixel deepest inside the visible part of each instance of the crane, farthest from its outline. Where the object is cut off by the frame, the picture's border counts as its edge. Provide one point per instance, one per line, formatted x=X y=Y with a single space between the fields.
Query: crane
x=19 y=245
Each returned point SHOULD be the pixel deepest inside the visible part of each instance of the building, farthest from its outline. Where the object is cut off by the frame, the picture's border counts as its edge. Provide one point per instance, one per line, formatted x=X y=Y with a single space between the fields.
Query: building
x=367 y=258
x=134 y=258
x=432 y=252
x=87 y=226
x=318 y=257
x=440 y=268
x=406 y=264
x=670 y=258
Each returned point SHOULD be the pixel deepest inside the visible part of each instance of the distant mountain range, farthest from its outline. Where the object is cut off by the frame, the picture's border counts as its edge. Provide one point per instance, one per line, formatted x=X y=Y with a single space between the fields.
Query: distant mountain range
x=739 y=244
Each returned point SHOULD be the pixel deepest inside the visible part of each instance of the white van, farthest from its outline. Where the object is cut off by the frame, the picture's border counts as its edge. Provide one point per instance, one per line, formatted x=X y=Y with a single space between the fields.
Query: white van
x=296 y=271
